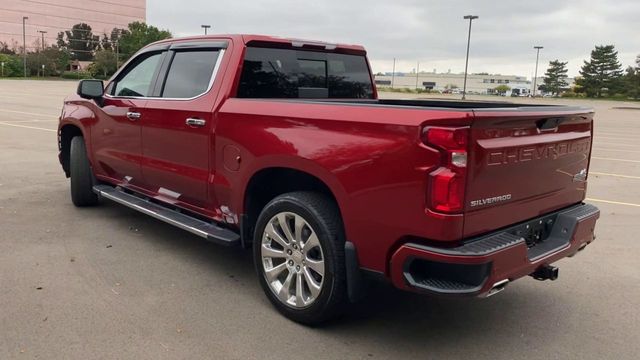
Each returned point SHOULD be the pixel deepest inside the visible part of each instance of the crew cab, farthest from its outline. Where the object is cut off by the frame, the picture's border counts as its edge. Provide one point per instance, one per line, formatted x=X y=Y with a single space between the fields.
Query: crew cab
x=283 y=147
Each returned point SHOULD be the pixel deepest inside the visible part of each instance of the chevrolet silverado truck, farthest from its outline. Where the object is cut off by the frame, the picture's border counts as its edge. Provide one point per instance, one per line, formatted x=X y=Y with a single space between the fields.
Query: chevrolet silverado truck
x=283 y=147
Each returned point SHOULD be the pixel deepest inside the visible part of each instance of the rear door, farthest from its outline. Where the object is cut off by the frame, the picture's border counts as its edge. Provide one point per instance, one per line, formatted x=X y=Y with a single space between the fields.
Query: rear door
x=116 y=141
x=524 y=163
x=177 y=136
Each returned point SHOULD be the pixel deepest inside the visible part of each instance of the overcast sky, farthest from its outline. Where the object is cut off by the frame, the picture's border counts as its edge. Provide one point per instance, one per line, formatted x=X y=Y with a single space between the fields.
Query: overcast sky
x=431 y=32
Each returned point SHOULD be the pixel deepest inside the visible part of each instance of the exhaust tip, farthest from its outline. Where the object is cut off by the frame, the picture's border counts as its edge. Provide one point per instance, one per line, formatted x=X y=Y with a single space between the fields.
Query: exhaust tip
x=498 y=287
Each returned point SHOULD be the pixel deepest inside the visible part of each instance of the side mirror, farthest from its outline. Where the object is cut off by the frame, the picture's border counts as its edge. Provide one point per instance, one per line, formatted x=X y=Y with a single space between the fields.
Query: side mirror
x=91 y=89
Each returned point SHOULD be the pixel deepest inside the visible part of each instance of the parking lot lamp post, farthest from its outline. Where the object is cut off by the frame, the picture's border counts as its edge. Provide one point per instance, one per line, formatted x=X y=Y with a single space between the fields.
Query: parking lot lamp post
x=466 y=64
x=42 y=33
x=24 y=45
x=393 y=74
x=535 y=76
x=2 y=63
x=205 y=27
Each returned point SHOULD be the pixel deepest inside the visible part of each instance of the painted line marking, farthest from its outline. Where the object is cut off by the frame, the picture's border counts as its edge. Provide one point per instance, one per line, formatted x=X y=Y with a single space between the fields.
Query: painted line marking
x=614 y=175
x=28 y=113
x=612 y=202
x=25 y=121
x=612 y=159
x=616 y=144
x=616 y=138
x=622 y=150
x=27 y=127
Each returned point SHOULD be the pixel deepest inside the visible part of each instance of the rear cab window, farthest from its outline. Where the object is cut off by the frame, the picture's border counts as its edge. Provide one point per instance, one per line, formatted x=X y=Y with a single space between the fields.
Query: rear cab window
x=291 y=73
x=190 y=73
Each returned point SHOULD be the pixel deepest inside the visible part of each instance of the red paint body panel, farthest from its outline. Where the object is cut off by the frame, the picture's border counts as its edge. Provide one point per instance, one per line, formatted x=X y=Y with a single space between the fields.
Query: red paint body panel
x=370 y=155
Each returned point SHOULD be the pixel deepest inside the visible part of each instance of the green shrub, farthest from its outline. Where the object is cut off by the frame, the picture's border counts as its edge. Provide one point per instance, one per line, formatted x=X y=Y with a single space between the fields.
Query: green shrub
x=618 y=97
x=76 y=75
x=12 y=65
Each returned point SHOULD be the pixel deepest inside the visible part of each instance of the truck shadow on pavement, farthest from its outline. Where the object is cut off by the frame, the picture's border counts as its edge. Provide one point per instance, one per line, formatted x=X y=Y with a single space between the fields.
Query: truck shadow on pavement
x=523 y=310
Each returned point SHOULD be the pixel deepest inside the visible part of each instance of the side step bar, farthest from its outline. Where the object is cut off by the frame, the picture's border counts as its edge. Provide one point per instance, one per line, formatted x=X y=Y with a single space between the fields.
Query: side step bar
x=191 y=224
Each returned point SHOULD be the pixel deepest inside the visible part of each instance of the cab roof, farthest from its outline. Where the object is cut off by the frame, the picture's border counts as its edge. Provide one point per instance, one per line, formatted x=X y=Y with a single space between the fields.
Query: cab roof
x=267 y=41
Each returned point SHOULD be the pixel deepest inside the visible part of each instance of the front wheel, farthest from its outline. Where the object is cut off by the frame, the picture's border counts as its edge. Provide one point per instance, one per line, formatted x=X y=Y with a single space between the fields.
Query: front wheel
x=82 y=179
x=299 y=256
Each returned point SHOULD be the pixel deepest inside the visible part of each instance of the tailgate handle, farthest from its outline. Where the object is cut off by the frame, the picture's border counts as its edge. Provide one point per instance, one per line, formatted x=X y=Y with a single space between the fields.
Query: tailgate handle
x=548 y=124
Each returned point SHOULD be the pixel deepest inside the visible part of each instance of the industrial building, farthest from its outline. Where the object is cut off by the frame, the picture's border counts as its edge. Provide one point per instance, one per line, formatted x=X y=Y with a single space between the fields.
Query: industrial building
x=46 y=18
x=476 y=83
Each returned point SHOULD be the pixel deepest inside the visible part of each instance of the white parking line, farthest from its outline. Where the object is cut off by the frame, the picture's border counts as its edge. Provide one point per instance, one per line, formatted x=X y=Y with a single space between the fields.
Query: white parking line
x=630 y=138
x=613 y=175
x=616 y=144
x=620 y=150
x=612 y=202
x=28 y=127
x=612 y=159
x=28 y=113
x=26 y=121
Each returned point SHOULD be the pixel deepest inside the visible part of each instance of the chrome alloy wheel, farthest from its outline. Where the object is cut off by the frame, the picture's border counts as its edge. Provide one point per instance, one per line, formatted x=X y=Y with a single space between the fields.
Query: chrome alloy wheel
x=292 y=260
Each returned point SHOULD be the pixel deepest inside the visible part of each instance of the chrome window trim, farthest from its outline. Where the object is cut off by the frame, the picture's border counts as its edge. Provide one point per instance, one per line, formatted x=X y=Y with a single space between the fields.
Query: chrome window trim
x=216 y=67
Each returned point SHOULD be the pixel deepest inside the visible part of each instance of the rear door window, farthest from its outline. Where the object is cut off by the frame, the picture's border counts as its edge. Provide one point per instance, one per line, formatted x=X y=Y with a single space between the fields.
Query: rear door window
x=289 y=73
x=190 y=73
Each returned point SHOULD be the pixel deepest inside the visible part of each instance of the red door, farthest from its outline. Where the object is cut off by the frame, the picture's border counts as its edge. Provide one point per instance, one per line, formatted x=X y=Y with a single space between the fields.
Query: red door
x=116 y=135
x=177 y=132
x=116 y=141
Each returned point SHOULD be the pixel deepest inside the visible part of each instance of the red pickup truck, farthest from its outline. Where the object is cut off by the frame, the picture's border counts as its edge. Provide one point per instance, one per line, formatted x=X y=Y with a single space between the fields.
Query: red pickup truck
x=282 y=146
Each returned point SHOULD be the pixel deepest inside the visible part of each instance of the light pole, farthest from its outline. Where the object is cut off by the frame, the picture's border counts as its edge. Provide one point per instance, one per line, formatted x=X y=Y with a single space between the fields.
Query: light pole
x=466 y=64
x=393 y=74
x=2 y=63
x=535 y=76
x=115 y=44
x=42 y=33
x=205 y=27
x=417 y=74
x=24 y=45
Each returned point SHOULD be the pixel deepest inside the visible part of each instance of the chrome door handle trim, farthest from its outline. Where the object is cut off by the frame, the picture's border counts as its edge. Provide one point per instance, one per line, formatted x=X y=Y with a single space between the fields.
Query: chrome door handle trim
x=133 y=116
x=195 y=122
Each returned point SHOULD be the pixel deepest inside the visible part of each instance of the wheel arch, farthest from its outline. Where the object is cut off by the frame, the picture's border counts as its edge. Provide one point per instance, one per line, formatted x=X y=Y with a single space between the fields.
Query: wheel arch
x=268 y=182
x=67 y=132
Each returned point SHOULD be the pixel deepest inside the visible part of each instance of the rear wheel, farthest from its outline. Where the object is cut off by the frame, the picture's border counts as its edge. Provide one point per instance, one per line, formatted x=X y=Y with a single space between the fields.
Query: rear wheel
x=299 y=256
x=82 y=179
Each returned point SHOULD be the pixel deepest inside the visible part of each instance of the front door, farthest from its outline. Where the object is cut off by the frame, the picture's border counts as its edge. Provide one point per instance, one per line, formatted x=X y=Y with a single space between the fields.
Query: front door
x=116 y=134
x=177 y=136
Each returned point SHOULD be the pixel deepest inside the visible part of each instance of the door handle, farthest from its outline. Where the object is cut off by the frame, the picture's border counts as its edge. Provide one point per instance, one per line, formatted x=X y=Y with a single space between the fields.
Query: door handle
x=133 y=116
x=195 y=122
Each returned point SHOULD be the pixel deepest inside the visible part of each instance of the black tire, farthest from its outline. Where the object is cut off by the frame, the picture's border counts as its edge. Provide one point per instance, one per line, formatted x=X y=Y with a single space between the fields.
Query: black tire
x=322 y=214
x=82 y=179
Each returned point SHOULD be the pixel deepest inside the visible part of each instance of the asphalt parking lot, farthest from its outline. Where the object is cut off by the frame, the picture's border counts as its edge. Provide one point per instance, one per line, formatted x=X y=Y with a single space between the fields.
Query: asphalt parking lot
x=107 y=282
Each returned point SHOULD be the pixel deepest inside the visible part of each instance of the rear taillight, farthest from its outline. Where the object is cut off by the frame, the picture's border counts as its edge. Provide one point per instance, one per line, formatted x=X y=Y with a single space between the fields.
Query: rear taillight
x=447 y=182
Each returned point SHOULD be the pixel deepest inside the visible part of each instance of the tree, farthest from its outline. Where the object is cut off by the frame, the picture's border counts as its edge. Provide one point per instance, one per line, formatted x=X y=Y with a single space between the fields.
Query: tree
x=79 y=42
x=555 y=79
x=602 y=72
x=139 y=35
x=104 y=63
x=12 y=65
x=4 y=49
x=632 y=80
x=502 y=89
x=451 y=86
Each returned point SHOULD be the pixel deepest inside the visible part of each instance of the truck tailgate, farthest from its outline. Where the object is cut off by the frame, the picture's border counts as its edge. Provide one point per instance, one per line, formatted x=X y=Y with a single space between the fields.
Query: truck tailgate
x=524 y=163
